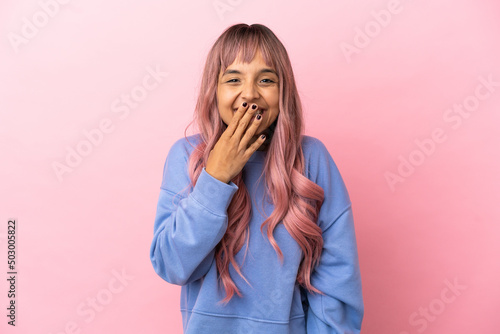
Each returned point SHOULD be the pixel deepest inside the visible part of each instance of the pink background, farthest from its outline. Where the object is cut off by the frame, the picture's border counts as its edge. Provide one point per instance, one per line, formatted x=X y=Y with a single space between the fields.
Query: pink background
x=435 y=227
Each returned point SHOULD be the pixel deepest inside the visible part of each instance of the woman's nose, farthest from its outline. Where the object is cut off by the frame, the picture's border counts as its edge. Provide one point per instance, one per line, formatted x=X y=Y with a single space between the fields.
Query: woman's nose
x=249 y=91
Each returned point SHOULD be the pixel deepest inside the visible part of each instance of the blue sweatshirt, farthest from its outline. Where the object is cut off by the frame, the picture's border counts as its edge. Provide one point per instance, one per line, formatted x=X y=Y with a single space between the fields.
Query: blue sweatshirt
x=190 y=222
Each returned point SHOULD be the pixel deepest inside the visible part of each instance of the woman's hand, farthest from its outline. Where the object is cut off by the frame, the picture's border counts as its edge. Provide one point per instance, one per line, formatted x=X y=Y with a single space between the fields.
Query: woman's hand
x=230 y=153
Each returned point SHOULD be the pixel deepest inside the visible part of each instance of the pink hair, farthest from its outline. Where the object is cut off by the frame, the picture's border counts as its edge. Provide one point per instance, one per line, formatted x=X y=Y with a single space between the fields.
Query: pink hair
x=297 y=199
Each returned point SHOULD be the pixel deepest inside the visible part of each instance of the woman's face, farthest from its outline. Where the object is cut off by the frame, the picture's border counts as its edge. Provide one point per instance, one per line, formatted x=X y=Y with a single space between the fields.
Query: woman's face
x=253 y=82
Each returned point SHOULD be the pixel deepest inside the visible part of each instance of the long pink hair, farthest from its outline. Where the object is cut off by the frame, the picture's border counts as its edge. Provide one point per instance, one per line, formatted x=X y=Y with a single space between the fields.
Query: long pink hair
x=297 y=200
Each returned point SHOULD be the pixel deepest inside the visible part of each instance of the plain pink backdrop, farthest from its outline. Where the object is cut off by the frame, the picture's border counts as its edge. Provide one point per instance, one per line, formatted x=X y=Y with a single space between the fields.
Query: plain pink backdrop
x=387 y=109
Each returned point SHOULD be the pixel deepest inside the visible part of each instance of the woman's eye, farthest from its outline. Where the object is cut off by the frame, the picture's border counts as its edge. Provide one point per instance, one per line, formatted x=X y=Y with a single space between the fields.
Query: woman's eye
x=236 y=80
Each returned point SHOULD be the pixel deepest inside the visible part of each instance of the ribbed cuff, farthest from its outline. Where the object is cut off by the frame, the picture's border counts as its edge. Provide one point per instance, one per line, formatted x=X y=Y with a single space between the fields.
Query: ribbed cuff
x=212 y=193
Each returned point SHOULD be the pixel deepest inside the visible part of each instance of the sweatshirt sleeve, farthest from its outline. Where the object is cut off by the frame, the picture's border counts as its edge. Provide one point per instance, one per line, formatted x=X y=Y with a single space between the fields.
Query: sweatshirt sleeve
x=340 y=310
x=188 y=227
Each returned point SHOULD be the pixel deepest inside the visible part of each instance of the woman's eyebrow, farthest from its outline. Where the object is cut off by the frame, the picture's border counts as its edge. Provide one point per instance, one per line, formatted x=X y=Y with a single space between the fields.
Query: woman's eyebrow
x=264 y=70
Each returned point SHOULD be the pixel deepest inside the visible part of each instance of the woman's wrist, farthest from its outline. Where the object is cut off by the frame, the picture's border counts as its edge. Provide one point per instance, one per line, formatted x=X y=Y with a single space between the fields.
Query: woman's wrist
x=216 y=176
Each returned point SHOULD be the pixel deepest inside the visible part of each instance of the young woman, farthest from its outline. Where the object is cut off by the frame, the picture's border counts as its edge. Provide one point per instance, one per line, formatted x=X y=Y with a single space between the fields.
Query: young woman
x=253 y=219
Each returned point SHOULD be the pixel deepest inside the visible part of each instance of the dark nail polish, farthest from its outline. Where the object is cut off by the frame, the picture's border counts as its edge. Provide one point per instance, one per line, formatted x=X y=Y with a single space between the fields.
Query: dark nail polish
x=254 y=106
x=259 y=116
x=244 y=104
x=263 y=137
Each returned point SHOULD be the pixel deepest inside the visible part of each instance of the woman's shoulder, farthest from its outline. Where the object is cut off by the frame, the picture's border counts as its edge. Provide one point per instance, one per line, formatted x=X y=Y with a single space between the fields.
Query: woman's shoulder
x=314 y=148
x=323 y=170
x=175 y=170
x=185 y=145
x=318 y=160
x=308 y=141
x=192 y=140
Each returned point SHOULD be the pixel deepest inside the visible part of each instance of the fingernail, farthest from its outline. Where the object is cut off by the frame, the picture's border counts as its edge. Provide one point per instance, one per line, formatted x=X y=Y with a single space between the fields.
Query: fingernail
x=244 y=104
x=263 y=137
x=254 y=106
x=259 y=116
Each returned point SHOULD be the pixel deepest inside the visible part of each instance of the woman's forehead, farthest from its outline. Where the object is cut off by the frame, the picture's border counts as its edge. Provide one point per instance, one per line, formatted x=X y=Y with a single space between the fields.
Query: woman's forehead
x=257 y=55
